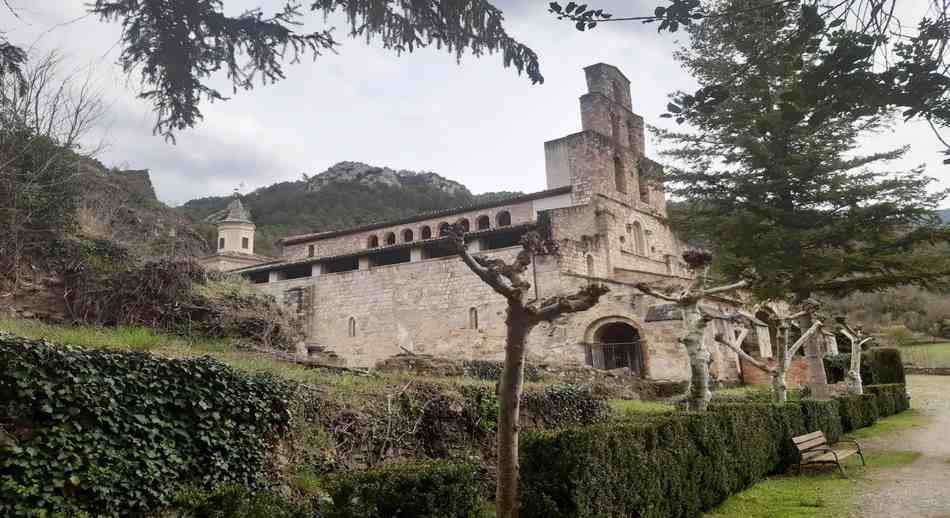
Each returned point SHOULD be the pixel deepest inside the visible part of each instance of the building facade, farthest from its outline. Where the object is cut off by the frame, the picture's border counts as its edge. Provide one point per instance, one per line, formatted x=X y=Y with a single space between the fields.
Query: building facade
x=234 y=248
x=372 y=292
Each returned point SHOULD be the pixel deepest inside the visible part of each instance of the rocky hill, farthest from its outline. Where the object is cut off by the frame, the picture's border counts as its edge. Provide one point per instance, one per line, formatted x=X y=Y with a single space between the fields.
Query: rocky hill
x=121 y=206
x=347 y=194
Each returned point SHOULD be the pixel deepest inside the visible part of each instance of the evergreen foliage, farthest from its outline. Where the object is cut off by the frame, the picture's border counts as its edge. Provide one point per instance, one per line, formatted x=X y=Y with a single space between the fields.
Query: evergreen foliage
x=858 y=411
x=773 y=172
x=118 y=434
x=178 y=46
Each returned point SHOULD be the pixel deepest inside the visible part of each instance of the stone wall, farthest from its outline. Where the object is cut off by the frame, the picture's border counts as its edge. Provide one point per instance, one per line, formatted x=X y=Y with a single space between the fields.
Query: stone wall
x=796 y=376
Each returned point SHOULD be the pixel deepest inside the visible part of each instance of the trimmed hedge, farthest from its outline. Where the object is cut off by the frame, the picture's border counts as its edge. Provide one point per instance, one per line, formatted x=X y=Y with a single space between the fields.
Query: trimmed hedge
x=430 y=489
x=119 y=433
x=891 y=399
x=678 y=465
x=879 y=366
x=668 y=466
x=857 y=411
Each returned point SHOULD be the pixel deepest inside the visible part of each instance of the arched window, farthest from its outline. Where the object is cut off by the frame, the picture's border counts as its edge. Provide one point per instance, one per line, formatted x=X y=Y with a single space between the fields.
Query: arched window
x=464 y=224
x=407 y=235
x=311 y=251
x=472 y=318
x=372 y=242
x=245 y=242
x=620 y=177
x=615 y=128
x=426 y=232
x=483 y=222
x=590 y=266
x=444 y=228
x=503 y=219
x=639 y=242
x=391 y=238
x=220 y=242
x=351 y=327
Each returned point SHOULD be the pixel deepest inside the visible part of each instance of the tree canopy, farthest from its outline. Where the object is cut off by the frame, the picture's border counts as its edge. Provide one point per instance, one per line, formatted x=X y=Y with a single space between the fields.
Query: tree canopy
x=774 y=170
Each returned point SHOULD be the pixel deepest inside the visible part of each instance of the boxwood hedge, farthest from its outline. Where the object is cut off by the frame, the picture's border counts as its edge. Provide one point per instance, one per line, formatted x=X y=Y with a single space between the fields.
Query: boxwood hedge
x=891 y=398
x=421 y=489
x=678 y=465
x=118 y=433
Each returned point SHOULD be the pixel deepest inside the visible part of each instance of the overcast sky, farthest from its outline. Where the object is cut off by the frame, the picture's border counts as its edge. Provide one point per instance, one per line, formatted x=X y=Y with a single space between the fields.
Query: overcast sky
x=475 y=122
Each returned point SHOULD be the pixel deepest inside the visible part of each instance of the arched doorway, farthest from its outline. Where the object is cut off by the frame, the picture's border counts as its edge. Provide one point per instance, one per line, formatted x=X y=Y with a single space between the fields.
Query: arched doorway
x=616 y=344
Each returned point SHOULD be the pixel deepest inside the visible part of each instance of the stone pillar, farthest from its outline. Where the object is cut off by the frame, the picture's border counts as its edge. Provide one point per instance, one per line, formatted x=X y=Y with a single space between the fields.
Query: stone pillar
x=316 y=269
x=415 y=254
x=364 y=262
x=273 y=276
x=476 y=245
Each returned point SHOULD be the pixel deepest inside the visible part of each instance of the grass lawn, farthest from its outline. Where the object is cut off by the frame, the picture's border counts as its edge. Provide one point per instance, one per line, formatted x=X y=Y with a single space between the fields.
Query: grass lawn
x=822 y=492
x=932 y=355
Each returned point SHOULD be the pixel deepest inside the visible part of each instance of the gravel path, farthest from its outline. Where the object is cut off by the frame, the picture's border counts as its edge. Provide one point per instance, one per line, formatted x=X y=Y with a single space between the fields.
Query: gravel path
x=921 y=489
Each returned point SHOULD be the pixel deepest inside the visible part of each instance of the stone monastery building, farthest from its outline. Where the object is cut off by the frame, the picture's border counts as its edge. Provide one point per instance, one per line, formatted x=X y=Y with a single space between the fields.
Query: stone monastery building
x=372 y=292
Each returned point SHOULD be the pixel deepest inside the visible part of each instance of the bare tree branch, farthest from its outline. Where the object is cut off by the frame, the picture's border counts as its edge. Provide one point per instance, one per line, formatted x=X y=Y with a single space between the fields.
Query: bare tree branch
x=802 y=340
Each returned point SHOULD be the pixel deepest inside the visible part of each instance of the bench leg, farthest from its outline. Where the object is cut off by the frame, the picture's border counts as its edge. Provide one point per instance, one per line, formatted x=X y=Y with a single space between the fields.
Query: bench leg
x=841 y=468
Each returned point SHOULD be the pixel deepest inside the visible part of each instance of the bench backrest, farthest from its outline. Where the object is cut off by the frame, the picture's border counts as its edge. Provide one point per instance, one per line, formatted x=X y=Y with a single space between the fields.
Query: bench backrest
x=810 y=441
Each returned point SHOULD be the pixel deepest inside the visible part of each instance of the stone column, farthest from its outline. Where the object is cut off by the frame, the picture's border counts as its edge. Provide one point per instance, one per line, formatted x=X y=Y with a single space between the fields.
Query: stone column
x=273 y=276
x=316 y=269
x=476 y=245
x=415 y=254
x=364 y=262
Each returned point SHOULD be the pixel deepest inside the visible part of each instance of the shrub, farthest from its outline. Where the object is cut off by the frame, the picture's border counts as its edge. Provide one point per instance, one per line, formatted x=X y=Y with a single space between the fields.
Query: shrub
x=824 y=416
x=430 y=489
x=118 y=433
x=234 y=501
x=879 y=366
x=490 y=370
x=857 y=411
x=659 y=466
x=891 y=399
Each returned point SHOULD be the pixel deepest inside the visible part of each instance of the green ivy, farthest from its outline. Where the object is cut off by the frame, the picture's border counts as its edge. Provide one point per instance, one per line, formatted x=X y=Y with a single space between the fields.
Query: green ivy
x=119 y=433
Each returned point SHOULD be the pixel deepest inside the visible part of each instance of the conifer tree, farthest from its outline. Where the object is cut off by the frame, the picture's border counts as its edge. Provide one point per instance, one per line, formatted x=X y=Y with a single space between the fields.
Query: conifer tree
x=774 y=169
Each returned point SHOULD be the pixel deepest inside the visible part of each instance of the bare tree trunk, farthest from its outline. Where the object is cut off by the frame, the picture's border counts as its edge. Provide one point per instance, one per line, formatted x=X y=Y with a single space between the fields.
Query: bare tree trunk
x=778 y=378
x=855 y=385
x=699 y=357
x=507 y=497
x=817 y=379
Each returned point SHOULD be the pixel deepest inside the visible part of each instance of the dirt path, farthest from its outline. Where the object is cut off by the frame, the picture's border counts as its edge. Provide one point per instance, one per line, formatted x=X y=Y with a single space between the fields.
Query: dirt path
x=921 y=489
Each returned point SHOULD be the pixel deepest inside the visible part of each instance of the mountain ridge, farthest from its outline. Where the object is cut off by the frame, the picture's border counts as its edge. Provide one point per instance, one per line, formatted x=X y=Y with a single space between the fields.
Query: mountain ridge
x=345 y=195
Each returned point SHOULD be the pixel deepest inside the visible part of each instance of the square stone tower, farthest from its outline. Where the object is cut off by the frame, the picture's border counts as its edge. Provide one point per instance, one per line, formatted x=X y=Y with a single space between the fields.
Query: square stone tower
x=606 y=157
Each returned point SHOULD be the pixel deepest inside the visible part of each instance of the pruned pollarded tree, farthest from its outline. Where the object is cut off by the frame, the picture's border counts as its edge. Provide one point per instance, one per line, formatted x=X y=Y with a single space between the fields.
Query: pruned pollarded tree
x=522 y=315
x=786 y=352
x=695 y=321
x=857 y=339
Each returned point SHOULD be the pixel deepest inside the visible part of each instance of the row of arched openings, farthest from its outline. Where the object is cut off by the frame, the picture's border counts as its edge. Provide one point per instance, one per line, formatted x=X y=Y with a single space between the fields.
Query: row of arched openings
x=483 y=222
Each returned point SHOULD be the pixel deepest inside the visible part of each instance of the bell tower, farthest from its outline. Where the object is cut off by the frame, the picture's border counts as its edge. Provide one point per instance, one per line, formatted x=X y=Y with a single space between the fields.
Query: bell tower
x=236 y=230
x=606 y=158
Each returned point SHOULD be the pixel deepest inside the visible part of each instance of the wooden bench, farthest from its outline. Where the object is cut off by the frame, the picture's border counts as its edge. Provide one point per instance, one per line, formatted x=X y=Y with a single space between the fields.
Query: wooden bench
x=813 y=448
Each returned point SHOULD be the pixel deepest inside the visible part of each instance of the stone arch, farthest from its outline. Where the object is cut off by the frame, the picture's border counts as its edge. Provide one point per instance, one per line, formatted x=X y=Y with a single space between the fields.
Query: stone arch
x=614 y=342
x=483 y=222
x=464 y=224
x=407 y=235
x=391 y=238
x=426 y=232
x=472 y=318
x=220 y=243
x=372 y=241
x=351 y=327
x=503 y=219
